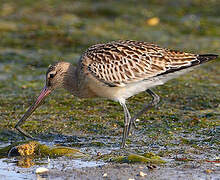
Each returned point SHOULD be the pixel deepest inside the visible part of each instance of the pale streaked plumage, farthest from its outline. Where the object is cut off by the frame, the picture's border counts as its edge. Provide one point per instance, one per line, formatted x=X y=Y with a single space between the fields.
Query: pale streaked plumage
x=117 y=71
x=122 y=62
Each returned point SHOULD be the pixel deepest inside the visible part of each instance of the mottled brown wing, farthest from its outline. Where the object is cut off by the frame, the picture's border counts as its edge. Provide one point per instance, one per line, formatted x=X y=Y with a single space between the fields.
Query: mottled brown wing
x=122 y=62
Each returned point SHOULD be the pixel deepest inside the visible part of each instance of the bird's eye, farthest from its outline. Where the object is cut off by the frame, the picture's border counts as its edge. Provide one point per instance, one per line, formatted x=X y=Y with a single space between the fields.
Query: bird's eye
x=51 y=75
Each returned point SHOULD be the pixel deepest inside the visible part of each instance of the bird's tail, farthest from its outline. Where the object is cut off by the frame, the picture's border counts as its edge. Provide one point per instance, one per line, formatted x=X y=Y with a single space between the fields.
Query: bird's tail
x=206 y=57
x=200 y=59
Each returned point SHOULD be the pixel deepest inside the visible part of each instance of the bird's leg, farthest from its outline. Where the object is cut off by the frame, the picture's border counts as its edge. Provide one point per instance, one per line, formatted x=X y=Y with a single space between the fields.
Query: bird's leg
x=127 y=119
x=154 y=102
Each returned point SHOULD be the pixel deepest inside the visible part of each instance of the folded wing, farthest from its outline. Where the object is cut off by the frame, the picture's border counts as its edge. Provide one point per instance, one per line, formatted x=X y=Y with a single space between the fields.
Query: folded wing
x=123 y=62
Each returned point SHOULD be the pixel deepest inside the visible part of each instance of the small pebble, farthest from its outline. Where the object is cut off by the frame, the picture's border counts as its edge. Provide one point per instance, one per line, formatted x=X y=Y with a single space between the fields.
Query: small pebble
x=208 y=171
x=153 y=21
x=151 y=167
x=41 y=170
x=105 y=175
x=142 y=174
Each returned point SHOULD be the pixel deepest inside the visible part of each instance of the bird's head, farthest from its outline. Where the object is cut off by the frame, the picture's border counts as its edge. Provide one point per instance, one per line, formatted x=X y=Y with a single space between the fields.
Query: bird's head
x=56 y=74
x=56 y=77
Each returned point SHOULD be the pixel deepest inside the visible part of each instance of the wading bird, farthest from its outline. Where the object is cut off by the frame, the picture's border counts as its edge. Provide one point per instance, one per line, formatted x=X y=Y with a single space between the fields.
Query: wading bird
x=117 y=71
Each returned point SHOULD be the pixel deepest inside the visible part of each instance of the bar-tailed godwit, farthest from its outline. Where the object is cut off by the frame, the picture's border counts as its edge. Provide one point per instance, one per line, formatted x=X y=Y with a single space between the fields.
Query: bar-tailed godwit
x=117 y=71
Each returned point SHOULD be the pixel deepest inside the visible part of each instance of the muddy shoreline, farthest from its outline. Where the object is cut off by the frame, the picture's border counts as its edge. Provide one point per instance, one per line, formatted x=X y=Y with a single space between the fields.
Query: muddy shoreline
x=113 y=171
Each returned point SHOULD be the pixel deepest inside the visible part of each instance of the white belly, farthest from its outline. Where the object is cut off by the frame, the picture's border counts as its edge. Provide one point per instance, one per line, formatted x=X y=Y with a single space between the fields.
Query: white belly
x=122 y=93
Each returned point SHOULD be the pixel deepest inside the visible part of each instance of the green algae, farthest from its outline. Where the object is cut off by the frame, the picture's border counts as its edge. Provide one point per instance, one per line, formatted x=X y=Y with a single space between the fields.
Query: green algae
x=118 y=159
x=45 y=151
x=5 y=150
x=37 y=150
x=30 y=153
x=146 y=158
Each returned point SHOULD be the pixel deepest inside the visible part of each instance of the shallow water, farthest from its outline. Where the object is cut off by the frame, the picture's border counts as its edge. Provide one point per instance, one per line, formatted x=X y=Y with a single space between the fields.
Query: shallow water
x=10 y=171
x=181 y=161
x=9 y=168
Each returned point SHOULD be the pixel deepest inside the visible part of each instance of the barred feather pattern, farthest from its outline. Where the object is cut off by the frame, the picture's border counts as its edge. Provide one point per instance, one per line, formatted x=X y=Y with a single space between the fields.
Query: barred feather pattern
x=122 y=62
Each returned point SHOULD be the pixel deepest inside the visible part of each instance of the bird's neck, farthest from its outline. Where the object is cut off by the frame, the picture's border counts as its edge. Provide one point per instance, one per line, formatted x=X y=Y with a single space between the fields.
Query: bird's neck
x=75 y=82
x=70 y=80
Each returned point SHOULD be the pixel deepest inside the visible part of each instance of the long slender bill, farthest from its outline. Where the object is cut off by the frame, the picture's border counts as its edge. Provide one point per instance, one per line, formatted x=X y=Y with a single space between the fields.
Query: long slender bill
x=44 y=93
